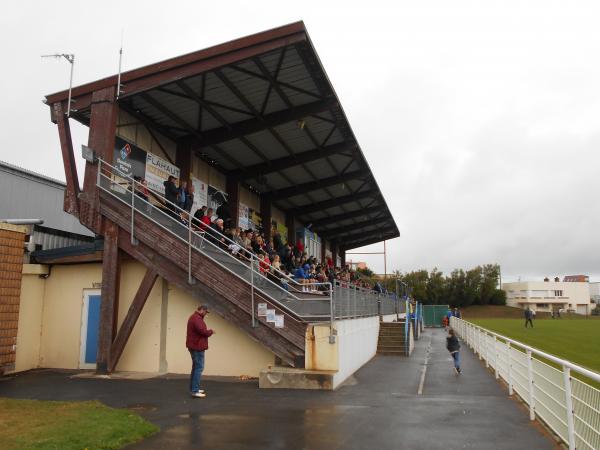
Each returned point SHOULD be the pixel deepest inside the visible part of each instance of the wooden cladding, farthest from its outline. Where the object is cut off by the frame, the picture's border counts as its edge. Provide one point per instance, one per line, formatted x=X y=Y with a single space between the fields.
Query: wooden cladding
x=12 y=241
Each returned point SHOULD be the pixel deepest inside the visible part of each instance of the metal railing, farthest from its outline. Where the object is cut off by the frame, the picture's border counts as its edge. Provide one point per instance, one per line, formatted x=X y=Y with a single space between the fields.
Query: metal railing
x=310 y=301
x=352 y=301
x=568 y=405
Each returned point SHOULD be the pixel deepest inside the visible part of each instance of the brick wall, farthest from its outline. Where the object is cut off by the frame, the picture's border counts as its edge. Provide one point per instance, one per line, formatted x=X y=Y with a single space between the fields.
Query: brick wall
x=11 y=271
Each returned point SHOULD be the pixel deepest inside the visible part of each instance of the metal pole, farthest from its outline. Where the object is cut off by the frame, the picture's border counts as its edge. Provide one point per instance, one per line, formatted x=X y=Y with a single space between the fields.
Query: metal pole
x=331 y=315
x=132 y=208
x=530 y=384
x=72 y=61
x=509 y=360
x=496 y=356
x=384 y=265
x=569 y=407
x=252 y=289
x=190 y=280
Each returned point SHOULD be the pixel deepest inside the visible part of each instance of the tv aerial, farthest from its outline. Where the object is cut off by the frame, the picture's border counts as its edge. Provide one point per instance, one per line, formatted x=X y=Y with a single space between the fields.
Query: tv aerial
x=71 y=58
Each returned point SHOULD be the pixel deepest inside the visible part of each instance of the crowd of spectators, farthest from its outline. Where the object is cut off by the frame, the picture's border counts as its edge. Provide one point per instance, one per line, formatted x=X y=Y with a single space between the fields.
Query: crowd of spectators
x=281 y=261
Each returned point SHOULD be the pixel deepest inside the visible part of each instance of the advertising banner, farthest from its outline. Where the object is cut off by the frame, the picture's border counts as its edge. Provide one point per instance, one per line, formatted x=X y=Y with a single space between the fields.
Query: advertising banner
x=129 y=159
x=134 y=162
x=158 y=171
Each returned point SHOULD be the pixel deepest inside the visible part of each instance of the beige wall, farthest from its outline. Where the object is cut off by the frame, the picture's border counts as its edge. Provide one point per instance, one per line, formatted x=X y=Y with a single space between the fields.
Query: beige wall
x=250 y=199
x=50 y=335
x=131 y=129
x=30 y=317
x=231 y=351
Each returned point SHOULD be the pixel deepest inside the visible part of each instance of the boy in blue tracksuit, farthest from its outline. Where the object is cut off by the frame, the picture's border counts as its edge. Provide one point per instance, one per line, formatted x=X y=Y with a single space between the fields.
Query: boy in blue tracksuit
x=453 y=347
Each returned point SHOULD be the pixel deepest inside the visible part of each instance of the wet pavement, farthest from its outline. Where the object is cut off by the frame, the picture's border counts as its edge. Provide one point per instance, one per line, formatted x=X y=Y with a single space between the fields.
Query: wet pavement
x=379 y=408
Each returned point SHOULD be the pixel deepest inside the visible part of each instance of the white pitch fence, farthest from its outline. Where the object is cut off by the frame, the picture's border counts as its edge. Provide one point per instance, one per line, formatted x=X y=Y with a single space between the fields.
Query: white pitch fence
x=570 y=407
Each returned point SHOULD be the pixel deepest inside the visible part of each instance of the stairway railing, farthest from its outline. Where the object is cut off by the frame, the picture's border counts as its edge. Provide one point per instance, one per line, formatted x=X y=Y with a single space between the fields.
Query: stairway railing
x=309 y=301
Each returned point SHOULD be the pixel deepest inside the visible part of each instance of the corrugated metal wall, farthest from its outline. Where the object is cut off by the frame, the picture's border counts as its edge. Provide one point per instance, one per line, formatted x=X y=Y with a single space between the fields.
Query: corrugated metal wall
x=26 y=195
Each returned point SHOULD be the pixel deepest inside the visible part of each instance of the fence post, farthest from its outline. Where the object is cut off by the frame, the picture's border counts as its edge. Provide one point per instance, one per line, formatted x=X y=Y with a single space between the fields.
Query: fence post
x=509 y=369
x=569 y=407
x=530 y=384
x=496 y=357
x=487 y=349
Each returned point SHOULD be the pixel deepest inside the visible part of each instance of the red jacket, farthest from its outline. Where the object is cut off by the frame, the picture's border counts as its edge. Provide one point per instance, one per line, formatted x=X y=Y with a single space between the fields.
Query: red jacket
x=197 y=333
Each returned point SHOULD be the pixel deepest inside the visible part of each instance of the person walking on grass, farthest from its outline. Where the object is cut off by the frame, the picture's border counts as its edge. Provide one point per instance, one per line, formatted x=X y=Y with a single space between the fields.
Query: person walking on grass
x=453 y=347
x=197 y=343
x=528 y=317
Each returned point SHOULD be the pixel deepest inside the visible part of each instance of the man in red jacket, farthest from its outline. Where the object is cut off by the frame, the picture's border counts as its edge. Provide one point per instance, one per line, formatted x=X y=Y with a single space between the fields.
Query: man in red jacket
x=197 y=342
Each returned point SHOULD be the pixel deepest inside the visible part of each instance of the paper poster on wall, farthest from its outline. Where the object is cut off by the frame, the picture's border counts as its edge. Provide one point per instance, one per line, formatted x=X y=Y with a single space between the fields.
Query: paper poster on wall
x=262 y=309
x=243 y=219
x=279 y=321
x=200 y=194
x=158 y=171
x=216 y=197
x=271 y=315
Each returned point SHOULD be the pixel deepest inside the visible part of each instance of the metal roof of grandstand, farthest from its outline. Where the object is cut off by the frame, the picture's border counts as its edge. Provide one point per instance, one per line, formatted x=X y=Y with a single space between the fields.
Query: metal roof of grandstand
x=262 y=108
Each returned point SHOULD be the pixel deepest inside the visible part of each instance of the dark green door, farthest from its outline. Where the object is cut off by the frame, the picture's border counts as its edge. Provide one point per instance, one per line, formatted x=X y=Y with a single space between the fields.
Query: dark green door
x=433 y=315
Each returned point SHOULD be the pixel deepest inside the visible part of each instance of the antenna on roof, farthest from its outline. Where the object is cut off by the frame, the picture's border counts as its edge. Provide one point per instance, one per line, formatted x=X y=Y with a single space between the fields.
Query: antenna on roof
x=71 y=58
x=120 y=61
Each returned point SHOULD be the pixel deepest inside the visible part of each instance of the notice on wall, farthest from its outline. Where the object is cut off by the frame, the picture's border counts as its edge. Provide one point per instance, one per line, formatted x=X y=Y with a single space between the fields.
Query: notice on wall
x=271 y=315
x=200 y=194
x=279 y=321
x=262 y=309
x=283 y=232
x=244 y=216
x=158 y=171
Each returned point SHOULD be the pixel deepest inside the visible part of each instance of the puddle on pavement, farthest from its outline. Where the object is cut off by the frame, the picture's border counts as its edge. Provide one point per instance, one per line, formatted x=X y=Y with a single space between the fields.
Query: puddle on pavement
x=142 y=407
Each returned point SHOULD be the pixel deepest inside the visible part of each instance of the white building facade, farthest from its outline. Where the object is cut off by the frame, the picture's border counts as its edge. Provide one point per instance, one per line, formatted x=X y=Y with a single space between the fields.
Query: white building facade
x=547 y=296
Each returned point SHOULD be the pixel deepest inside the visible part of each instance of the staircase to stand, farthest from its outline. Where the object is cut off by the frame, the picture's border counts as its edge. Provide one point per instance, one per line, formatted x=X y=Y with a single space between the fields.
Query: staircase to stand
x=392 y=339
x=229 y=286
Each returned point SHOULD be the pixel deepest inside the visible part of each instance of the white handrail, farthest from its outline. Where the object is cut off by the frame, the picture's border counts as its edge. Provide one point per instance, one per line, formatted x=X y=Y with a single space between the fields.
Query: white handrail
x=571 y=415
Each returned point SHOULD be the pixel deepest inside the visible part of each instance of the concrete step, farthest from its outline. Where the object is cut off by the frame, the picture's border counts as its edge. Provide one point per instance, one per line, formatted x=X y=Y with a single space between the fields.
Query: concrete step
x=390 y=347
x=391 y=342
x=391 y=353
x=391 y=333
x=279 y=377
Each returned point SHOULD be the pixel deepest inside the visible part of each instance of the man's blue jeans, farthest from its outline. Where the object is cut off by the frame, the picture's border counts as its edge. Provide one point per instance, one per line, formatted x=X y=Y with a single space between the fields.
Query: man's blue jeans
x=197 y=368
x=456 y=358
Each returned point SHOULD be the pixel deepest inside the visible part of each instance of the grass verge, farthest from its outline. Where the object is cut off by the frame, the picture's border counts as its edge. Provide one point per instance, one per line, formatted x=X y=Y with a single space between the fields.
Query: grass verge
x=35 y=424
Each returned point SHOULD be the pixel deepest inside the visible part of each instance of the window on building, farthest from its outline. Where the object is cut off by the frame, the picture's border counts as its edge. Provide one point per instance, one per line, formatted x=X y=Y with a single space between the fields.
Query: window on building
x=558 y=293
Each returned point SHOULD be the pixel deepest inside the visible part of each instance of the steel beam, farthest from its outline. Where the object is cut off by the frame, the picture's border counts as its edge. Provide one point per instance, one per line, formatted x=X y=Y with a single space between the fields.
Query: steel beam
x=261 y=123
x=355 y=226
x=286 y=162
x=303 y=188
x=319 y=206
x=349 y=215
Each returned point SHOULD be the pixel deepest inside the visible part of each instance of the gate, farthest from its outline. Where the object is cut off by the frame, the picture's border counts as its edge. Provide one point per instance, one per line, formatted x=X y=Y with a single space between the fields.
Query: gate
x=433 y=314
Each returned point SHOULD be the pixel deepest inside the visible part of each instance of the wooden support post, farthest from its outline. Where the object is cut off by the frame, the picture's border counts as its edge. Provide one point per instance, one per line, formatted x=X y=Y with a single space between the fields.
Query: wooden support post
x=266 y=214
x=343 y=256
x=71 y=201
x=101 y=139
x=110 y=294
x=323 y=252
x=233 y=199
x=131 y=318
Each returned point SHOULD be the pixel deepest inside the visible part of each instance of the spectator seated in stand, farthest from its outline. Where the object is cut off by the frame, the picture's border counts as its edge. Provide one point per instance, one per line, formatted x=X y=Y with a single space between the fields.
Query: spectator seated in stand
x=206 y=220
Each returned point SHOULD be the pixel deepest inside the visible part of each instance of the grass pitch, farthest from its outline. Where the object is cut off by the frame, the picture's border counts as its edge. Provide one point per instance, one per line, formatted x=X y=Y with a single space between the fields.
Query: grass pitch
x=576 y=339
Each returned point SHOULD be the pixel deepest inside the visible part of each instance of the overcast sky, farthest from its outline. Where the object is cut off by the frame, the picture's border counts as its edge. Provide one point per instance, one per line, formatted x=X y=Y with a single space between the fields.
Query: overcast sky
x=479 y=119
